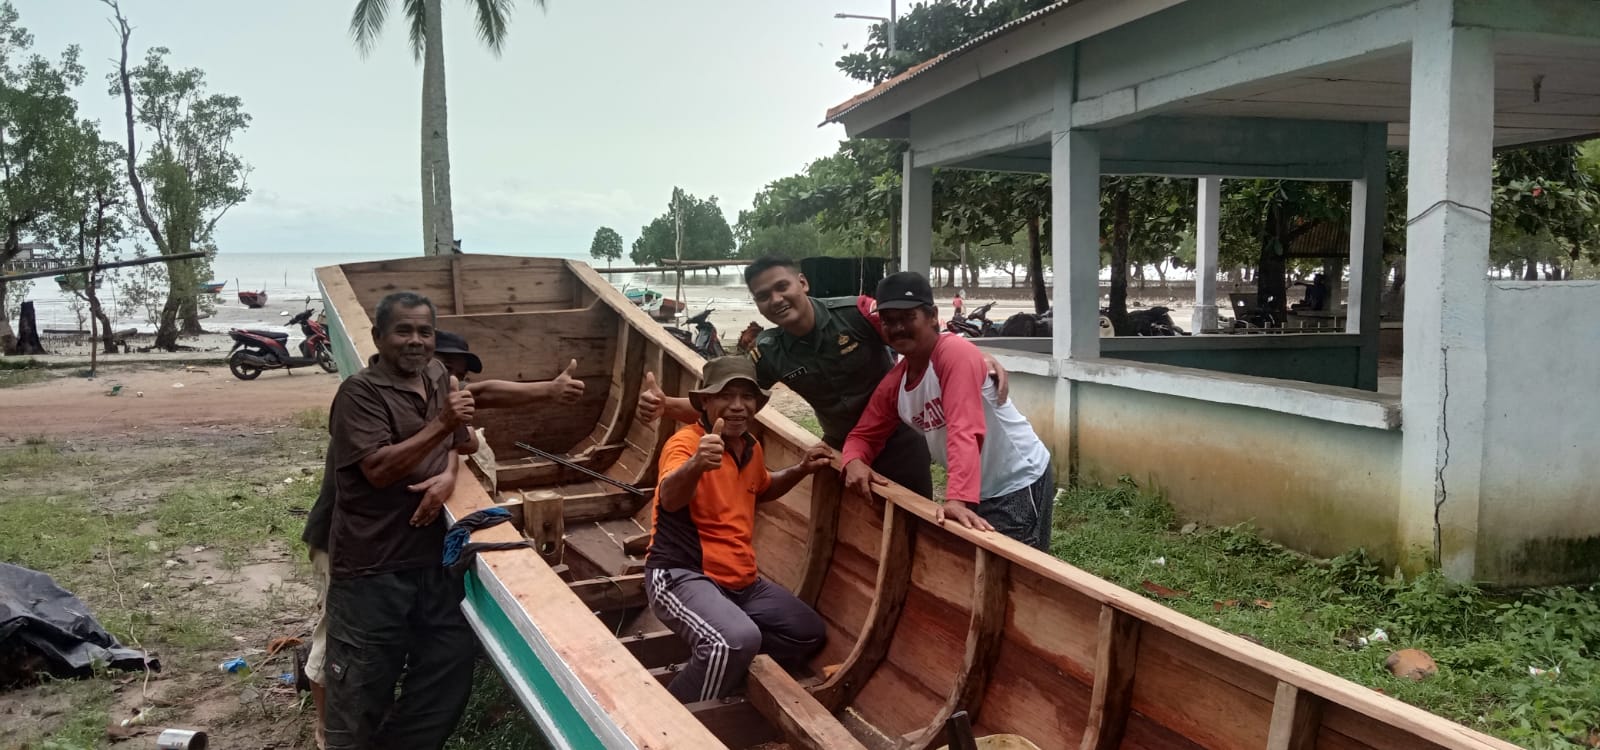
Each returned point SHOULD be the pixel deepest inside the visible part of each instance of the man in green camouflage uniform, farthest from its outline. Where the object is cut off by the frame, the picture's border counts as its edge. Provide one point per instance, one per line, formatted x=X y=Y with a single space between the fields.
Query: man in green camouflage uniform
x=829 y=351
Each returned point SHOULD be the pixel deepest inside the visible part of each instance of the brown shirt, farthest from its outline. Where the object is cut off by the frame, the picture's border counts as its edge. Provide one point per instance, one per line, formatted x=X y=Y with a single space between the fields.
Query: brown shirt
x=371 y=529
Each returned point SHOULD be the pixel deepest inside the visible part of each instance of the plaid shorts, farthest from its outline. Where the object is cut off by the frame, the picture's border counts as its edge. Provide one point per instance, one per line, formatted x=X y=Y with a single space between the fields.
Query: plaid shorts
x=1024 y=515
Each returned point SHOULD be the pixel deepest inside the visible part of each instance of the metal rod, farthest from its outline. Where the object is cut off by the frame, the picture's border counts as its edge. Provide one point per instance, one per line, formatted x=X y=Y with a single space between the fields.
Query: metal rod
x=581 y=469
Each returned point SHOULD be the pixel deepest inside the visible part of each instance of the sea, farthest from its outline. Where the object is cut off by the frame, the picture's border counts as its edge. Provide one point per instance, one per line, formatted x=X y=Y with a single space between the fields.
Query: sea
x=290 y=281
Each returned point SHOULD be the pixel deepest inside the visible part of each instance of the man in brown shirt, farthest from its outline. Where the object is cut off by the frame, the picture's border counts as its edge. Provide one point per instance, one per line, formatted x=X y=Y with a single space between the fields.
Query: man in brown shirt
x=392 y=608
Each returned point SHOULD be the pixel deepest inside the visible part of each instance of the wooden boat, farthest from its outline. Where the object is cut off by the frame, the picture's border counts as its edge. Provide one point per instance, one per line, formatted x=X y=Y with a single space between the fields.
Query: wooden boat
x=922 y=620
x=213 y=287
x=253 y=300
x=76 y=282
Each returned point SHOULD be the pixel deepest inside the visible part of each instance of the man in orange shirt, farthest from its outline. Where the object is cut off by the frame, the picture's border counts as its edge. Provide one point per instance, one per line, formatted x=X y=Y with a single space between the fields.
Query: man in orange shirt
x=700 y=572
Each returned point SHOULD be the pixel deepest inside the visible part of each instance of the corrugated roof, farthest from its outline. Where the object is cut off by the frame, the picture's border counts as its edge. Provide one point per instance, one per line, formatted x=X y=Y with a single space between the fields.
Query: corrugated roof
x=853 y=102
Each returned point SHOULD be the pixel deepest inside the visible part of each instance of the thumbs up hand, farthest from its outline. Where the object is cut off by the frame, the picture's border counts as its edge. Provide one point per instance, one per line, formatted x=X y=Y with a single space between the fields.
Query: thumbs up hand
x=568 y=387
x=651 y=399
x=458 y=407
x=709 y=455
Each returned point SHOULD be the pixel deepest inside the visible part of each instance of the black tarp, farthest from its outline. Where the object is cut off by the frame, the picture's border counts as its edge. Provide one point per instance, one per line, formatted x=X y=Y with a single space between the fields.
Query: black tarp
x=44 y=628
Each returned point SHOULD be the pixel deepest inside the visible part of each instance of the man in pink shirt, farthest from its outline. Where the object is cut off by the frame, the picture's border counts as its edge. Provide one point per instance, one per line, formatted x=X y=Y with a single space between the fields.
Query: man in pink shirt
x=999 y=476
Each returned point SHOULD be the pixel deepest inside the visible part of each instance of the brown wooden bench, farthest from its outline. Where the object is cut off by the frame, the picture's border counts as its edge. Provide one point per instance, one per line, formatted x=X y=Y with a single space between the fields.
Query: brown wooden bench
x=803 y=721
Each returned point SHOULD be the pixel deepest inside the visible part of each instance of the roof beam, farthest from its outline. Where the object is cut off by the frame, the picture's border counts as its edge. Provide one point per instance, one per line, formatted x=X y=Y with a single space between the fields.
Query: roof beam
x=1212 y=146
x=1373 y=32
x=1568 y=18
x=1076 y=22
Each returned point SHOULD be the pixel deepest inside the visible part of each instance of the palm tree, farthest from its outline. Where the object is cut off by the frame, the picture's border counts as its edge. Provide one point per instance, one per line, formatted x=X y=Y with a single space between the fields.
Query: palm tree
x=427 y=45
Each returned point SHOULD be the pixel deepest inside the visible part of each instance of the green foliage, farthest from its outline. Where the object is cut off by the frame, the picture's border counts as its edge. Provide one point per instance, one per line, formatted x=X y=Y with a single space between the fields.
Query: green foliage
x=607 y=245
x=1484 y=643
x=44 y=140
x=705 y=232
x=192 y=173
x=930 y=29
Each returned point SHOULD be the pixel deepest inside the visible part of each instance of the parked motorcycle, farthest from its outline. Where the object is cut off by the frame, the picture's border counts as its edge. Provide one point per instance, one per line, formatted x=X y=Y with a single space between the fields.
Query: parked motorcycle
x=255 y=351
x=1154 y=321
x=974 y=325
x=1029 y=324
x=705 y=341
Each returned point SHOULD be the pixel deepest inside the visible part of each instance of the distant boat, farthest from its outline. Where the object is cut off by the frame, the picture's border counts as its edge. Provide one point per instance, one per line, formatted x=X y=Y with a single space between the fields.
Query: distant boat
x=254 y=300
x=213 y=287
x=641 y=296
x=75 y=282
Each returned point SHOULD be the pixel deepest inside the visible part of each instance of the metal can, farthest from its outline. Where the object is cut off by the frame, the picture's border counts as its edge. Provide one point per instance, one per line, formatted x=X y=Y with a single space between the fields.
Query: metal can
x=181 y=739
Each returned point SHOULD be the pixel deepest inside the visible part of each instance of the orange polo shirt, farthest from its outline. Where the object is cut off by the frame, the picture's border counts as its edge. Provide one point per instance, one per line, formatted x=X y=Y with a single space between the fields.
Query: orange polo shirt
x=715 y=533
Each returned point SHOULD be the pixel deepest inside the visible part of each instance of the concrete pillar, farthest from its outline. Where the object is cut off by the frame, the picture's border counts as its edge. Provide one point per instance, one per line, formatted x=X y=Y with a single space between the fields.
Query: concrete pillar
x=1075 y=242
x=1207 y=237
x=1368 y=205
x=1447 y=252
x=916 y=218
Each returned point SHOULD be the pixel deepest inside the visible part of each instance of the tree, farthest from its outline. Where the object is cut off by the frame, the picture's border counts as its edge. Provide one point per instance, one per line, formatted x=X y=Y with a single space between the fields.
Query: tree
x=427 y=46
x=41 y=139
x=190 y=175
x=607 y=245
x=705 y=232
x=94 y=223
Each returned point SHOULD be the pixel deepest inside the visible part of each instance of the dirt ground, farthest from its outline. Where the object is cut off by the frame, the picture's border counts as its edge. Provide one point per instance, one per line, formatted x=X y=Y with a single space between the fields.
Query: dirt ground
x=175 y=517
x=191 y=396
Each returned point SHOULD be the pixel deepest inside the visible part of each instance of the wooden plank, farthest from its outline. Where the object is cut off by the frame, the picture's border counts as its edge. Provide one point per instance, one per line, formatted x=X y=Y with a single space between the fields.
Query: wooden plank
x=543 y=523
x=734 y=721
x=628 y=373
x=538 y=472
x=1113 y=680
x=455 y=284
x=600 y=543
x=888 y=600
x=656 y=649
x=611 y=593
x=984 y=631
x=824 y=531
x=804 y=722
x=1296 y=718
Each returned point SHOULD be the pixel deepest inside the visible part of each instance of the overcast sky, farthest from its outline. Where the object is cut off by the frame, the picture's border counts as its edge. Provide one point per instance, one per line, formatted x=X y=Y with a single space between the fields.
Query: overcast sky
x=595 y=110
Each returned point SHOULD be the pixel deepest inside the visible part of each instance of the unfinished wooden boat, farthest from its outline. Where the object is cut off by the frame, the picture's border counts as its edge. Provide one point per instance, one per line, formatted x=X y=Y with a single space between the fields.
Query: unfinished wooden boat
x=923 y=620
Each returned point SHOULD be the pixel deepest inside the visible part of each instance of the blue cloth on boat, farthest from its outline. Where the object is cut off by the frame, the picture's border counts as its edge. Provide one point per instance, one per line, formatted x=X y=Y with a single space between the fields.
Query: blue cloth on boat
x=460 y=550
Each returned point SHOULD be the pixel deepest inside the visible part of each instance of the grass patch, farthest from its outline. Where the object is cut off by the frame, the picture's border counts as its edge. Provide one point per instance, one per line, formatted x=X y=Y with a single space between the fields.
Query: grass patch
x=34 y=455
x=85 y=723
x=311 y=419
x=12 y=377
x=809 y=422
x=493 y=719
x=236 y=517
x=1315 y=610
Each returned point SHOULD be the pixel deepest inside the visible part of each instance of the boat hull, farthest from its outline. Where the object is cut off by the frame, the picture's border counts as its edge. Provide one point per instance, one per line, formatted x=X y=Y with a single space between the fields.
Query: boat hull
x=923 y=620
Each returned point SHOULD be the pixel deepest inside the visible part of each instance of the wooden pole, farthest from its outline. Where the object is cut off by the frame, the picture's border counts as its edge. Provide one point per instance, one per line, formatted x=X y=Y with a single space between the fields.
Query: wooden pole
x=101 y=266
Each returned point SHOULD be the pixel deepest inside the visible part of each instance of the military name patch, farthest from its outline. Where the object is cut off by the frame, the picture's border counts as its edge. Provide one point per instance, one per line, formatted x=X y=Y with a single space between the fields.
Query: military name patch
x=795 y=373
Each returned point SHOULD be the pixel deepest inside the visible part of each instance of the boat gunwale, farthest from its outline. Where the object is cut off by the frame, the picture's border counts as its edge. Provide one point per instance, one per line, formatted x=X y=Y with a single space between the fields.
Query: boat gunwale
x=1308 y=679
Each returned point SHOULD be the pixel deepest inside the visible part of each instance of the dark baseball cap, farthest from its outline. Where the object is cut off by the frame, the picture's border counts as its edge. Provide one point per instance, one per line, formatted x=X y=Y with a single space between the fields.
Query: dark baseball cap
x=445 y=342
x=903 y=291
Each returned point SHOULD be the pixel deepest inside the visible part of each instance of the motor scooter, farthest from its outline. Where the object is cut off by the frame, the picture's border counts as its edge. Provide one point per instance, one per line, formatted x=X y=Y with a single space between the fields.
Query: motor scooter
x=255 y=351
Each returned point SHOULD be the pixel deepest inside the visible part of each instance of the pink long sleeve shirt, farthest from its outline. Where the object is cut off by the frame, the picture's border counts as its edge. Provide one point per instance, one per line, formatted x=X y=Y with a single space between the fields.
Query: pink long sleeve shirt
x=987 y=448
